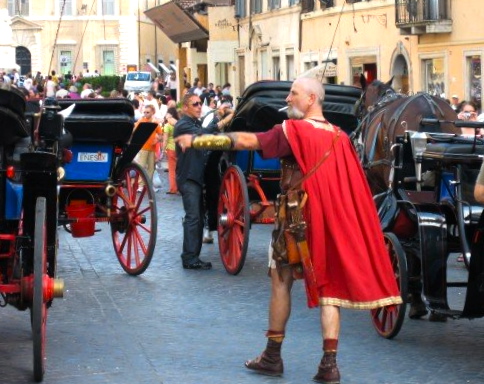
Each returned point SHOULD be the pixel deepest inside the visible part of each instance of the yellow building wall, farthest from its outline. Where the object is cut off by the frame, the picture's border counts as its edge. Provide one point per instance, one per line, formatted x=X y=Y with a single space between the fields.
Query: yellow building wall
x=86 y=34
x=367 y=30
x=456 y=49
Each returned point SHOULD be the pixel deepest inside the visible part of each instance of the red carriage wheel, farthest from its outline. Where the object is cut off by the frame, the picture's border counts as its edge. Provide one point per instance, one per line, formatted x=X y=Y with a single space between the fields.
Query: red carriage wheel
x=233 y=220
x=39 y=305
x=388 y=320
x=134 y=219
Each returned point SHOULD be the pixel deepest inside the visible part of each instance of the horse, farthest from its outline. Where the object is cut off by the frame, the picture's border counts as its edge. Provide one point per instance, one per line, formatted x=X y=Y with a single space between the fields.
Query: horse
x=385 y=114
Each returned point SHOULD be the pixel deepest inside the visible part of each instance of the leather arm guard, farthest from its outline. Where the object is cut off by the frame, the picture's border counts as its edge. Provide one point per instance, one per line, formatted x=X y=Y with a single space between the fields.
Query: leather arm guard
x=213 y=142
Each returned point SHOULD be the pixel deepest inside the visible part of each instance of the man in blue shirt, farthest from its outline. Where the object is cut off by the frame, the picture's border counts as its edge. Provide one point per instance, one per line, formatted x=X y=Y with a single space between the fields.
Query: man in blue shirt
x=190 y=169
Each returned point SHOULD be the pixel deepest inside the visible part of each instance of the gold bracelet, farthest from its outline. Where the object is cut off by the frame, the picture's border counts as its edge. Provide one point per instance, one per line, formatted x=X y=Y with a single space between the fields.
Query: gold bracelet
x=215 y=142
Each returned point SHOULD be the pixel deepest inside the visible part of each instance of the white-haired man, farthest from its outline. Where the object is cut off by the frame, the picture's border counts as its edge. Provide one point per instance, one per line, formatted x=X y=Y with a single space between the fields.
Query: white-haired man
x=349 y=266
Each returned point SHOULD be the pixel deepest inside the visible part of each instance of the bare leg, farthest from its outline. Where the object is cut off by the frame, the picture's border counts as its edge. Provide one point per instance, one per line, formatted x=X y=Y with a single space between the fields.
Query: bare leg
x=270 y=361
x=328 y=372
x=330 y=321
x=280 y=303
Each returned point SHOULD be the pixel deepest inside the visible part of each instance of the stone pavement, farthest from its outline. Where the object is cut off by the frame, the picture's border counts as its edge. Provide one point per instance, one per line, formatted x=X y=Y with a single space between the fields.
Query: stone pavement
x=173 y=326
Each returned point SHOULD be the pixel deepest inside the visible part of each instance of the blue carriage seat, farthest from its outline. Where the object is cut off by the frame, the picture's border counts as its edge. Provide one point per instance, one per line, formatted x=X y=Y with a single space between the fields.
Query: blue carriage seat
x=97 y=126
x=249 y=161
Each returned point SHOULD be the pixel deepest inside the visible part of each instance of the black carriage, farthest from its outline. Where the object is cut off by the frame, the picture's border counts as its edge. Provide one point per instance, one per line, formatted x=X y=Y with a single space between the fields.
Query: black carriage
x=101 y=183
x=431 y=211
x=73 y=169
x=28 y=215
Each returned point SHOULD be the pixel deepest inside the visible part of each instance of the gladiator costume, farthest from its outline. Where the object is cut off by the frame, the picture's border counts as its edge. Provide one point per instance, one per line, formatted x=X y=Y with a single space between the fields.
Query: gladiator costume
x=348 y=255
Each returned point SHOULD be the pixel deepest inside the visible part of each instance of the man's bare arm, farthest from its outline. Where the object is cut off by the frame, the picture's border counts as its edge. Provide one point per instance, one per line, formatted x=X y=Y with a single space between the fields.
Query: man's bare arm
x=244 y=140
x=230 y=141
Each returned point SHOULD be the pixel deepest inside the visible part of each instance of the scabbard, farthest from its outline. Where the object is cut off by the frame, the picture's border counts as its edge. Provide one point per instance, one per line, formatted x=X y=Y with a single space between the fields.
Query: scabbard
x=308 y=270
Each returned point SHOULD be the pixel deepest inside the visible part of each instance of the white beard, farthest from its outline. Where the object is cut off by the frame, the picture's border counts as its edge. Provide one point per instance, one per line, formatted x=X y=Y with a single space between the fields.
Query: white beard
x=294 y=113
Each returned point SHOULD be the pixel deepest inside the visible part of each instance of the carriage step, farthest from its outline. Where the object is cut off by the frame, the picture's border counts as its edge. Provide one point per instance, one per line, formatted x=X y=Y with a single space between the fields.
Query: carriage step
x=455 y=314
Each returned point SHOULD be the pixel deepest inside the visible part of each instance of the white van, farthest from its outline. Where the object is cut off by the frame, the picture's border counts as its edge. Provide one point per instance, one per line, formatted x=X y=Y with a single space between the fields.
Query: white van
x=138 y=82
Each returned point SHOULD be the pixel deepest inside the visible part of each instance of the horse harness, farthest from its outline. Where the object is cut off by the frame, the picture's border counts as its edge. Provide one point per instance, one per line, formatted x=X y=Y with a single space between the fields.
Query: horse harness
x=392 y=126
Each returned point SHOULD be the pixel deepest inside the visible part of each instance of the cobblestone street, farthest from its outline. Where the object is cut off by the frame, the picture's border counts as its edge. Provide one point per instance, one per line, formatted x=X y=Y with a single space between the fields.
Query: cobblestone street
x=176 y=326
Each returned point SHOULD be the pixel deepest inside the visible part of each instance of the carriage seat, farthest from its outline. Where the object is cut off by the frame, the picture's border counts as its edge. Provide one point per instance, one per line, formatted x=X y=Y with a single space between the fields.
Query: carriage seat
x=463 y=151
x=12 y=115
x=14 y=127
x=100 y=120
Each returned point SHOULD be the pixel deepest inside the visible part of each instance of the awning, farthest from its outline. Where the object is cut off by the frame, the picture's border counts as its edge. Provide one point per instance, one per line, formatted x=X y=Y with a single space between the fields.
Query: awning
x=164 y=68
x=176 y=23
x=153 y=67
x=173 y=67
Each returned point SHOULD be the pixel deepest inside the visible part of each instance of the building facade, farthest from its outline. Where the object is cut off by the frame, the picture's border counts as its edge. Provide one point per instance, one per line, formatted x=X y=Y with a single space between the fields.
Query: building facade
x=423 y=45
x=434 y=46
x=79 y=36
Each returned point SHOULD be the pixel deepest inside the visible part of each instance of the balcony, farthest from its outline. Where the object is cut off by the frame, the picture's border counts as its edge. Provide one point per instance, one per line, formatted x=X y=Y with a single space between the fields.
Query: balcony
x=418 y=17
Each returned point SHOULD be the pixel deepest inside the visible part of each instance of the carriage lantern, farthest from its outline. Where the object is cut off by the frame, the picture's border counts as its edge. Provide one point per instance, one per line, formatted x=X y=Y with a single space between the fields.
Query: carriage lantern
x=419 y=143
x=51 y=122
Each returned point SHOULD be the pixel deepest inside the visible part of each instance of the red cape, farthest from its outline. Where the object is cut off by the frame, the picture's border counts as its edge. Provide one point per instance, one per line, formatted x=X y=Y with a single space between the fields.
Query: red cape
x=348 y=253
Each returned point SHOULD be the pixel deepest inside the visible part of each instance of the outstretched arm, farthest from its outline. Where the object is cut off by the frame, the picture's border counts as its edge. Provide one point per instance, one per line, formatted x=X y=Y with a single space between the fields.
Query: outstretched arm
x=229 y=141
x=244 y=140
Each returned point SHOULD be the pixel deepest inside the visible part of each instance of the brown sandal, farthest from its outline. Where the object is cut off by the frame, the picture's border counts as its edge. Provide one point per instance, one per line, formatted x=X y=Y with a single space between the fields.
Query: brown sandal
x=266 y=365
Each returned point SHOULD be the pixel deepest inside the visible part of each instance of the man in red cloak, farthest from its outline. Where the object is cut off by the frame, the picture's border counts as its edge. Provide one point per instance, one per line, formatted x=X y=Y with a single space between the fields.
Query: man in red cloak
x=350 y=263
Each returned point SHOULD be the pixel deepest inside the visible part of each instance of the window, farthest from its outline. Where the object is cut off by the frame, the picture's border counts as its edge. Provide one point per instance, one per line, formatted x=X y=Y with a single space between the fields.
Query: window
x=291 y=75
x=222 y=73
x=276 y=68
x=67 y=7
x=293 y=2
x=108 y=63
x=138 y=76
x=240 y=10
x=18 y=7
x=274 y=4
x=107 y=7
x=310 y=64
x=65 y=61
x=264 y=75
x=433 y=75
x=307 y=6
x=474 y=73
x=256 y=6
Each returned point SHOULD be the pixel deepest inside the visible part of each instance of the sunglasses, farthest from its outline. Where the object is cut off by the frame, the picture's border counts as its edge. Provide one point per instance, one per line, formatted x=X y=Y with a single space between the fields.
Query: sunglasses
x=197 y=104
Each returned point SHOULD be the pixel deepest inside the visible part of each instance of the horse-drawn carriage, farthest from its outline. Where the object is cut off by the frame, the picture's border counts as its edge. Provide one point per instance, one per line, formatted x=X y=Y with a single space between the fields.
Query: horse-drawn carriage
x=42 y=185
x=28 y=219
x=422 y=222
x=422 y=173
x=102 y=184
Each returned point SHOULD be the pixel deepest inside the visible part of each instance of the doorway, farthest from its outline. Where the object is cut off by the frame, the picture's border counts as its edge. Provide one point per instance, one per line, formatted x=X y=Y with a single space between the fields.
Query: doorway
x=24 y=59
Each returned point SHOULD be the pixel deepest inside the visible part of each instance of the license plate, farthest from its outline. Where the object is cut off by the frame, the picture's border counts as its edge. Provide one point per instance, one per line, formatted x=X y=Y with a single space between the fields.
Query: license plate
x=92 y=157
